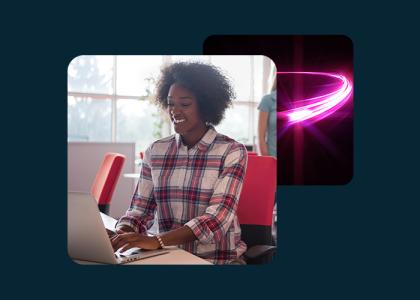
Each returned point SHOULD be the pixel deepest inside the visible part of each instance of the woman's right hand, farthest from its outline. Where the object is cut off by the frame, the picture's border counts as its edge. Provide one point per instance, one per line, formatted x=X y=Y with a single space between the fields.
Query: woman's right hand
x=119 y=230
x=124 y=229
x=110 y=233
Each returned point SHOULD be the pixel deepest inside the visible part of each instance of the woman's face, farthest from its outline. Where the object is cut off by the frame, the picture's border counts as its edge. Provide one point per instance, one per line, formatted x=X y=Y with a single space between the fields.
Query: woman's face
x=183 y=111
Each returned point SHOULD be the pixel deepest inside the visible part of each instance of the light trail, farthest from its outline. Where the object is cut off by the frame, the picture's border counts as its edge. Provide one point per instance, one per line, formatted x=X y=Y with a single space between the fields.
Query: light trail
x=319 y=107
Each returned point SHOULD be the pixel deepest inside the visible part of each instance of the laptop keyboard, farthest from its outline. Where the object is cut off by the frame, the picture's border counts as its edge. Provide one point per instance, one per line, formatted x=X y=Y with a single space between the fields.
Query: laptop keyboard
x=134 y=252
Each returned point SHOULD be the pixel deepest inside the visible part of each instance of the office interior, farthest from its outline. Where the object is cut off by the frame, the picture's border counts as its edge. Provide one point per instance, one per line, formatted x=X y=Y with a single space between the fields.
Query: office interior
x=110 y=109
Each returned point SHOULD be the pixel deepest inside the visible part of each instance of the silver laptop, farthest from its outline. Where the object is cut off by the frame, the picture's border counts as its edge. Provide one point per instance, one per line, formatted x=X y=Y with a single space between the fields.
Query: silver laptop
x=87 y=237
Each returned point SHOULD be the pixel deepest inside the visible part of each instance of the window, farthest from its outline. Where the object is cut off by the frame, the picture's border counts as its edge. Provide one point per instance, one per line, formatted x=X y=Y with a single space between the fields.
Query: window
x=138 y=121
x=91 y=74
x=110 y=97
x=136 y=75
x=89 y=120
x=238 y=114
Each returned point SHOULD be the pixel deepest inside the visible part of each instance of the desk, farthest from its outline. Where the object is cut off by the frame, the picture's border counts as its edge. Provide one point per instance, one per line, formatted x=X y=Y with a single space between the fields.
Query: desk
x=175 y=256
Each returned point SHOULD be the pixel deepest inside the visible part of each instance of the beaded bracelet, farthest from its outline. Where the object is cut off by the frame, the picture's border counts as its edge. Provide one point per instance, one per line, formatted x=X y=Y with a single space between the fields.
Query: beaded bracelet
x=162 y=245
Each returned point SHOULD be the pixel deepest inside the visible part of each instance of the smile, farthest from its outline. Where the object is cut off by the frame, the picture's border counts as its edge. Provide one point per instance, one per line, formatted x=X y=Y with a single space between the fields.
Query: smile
x=178 y=121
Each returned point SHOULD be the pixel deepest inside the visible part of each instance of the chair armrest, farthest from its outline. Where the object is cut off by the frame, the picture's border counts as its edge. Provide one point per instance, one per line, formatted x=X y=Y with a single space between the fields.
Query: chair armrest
x=259 y=251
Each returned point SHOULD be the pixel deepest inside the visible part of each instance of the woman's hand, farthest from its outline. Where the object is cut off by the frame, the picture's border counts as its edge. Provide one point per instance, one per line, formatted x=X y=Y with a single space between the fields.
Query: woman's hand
x=134 y=239
x=122 y=229
x=110 y=233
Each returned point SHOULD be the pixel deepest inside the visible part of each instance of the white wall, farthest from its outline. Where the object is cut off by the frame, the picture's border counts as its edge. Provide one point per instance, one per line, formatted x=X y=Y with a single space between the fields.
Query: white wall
x=84 y=160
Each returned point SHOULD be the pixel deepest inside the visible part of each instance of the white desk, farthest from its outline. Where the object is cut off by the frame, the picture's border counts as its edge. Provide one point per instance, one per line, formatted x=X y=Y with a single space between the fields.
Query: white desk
x=175 y=256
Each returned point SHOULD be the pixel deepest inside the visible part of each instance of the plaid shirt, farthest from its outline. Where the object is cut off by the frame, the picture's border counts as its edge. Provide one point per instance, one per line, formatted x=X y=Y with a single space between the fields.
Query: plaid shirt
x=197 y=187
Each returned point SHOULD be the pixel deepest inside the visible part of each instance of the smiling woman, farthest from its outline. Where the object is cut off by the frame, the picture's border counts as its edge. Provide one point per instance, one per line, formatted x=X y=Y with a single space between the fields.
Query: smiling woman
x=185 y=115
x=192 y=179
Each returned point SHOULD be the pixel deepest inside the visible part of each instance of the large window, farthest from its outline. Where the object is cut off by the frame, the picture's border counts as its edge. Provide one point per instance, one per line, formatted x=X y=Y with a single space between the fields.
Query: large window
x=89 y=119
x=110 y=97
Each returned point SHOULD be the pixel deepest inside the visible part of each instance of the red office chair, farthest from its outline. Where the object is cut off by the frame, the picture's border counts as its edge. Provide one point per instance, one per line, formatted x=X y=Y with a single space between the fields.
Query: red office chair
x=255 y=210
x=106 y=180
x=252 y=153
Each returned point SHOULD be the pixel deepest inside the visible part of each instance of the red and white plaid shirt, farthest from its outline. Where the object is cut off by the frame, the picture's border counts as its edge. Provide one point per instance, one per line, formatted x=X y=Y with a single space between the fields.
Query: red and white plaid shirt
x=199 y=188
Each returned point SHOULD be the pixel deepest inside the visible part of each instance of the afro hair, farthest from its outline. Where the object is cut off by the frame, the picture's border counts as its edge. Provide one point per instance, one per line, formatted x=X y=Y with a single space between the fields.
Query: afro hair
x=209 y=85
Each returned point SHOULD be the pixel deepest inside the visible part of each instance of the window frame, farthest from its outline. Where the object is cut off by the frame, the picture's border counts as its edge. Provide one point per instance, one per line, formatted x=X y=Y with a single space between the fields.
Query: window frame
x=251 y=103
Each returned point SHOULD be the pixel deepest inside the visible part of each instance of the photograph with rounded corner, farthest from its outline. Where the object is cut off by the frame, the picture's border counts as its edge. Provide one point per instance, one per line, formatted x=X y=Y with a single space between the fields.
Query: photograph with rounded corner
x=169 y=159
x=314 y=102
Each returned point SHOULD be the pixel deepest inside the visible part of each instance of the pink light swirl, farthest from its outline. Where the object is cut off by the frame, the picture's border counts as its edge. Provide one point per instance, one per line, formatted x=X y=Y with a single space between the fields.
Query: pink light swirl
x=319 y=107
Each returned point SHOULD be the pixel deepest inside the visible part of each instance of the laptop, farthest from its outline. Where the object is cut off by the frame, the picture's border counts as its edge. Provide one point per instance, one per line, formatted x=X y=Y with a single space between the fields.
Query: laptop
x=88 y=239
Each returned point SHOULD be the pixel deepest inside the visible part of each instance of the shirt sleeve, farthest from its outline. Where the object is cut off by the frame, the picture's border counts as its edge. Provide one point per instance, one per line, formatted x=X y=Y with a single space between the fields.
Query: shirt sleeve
x=140 y=215
x=265 y=104
x=213 y=225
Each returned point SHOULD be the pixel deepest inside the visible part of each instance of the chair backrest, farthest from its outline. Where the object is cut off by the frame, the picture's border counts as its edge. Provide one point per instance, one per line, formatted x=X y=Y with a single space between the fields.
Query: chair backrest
x=106 y=178
x=257 y=197
x=256 y=203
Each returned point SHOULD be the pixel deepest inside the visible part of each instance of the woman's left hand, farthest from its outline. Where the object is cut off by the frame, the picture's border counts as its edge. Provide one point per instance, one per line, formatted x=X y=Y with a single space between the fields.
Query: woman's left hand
x=134 y=239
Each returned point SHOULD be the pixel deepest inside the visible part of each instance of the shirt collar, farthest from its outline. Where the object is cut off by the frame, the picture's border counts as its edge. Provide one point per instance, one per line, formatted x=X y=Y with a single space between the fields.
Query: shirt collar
x=204 y=143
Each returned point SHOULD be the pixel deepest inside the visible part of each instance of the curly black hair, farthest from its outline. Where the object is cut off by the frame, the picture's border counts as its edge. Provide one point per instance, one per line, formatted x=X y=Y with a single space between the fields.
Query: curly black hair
x=209 y=85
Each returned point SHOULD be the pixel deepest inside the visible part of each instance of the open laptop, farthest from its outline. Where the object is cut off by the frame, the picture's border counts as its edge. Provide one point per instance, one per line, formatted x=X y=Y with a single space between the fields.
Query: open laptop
x=87 y=237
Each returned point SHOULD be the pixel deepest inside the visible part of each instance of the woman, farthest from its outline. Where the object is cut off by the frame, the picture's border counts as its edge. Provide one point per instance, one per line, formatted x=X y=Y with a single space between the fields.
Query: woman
x=193 y=178
x=267 y=126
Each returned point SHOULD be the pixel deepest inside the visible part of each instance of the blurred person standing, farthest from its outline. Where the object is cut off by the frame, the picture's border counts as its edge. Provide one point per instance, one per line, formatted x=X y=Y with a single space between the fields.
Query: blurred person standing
x=267 y=123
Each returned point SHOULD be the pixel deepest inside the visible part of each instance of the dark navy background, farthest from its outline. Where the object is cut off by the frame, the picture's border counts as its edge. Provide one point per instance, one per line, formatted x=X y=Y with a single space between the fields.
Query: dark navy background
x=335 y=242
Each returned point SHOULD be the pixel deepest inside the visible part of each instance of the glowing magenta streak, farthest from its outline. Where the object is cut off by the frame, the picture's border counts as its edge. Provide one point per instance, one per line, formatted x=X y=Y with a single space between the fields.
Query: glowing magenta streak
x=317 y=108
